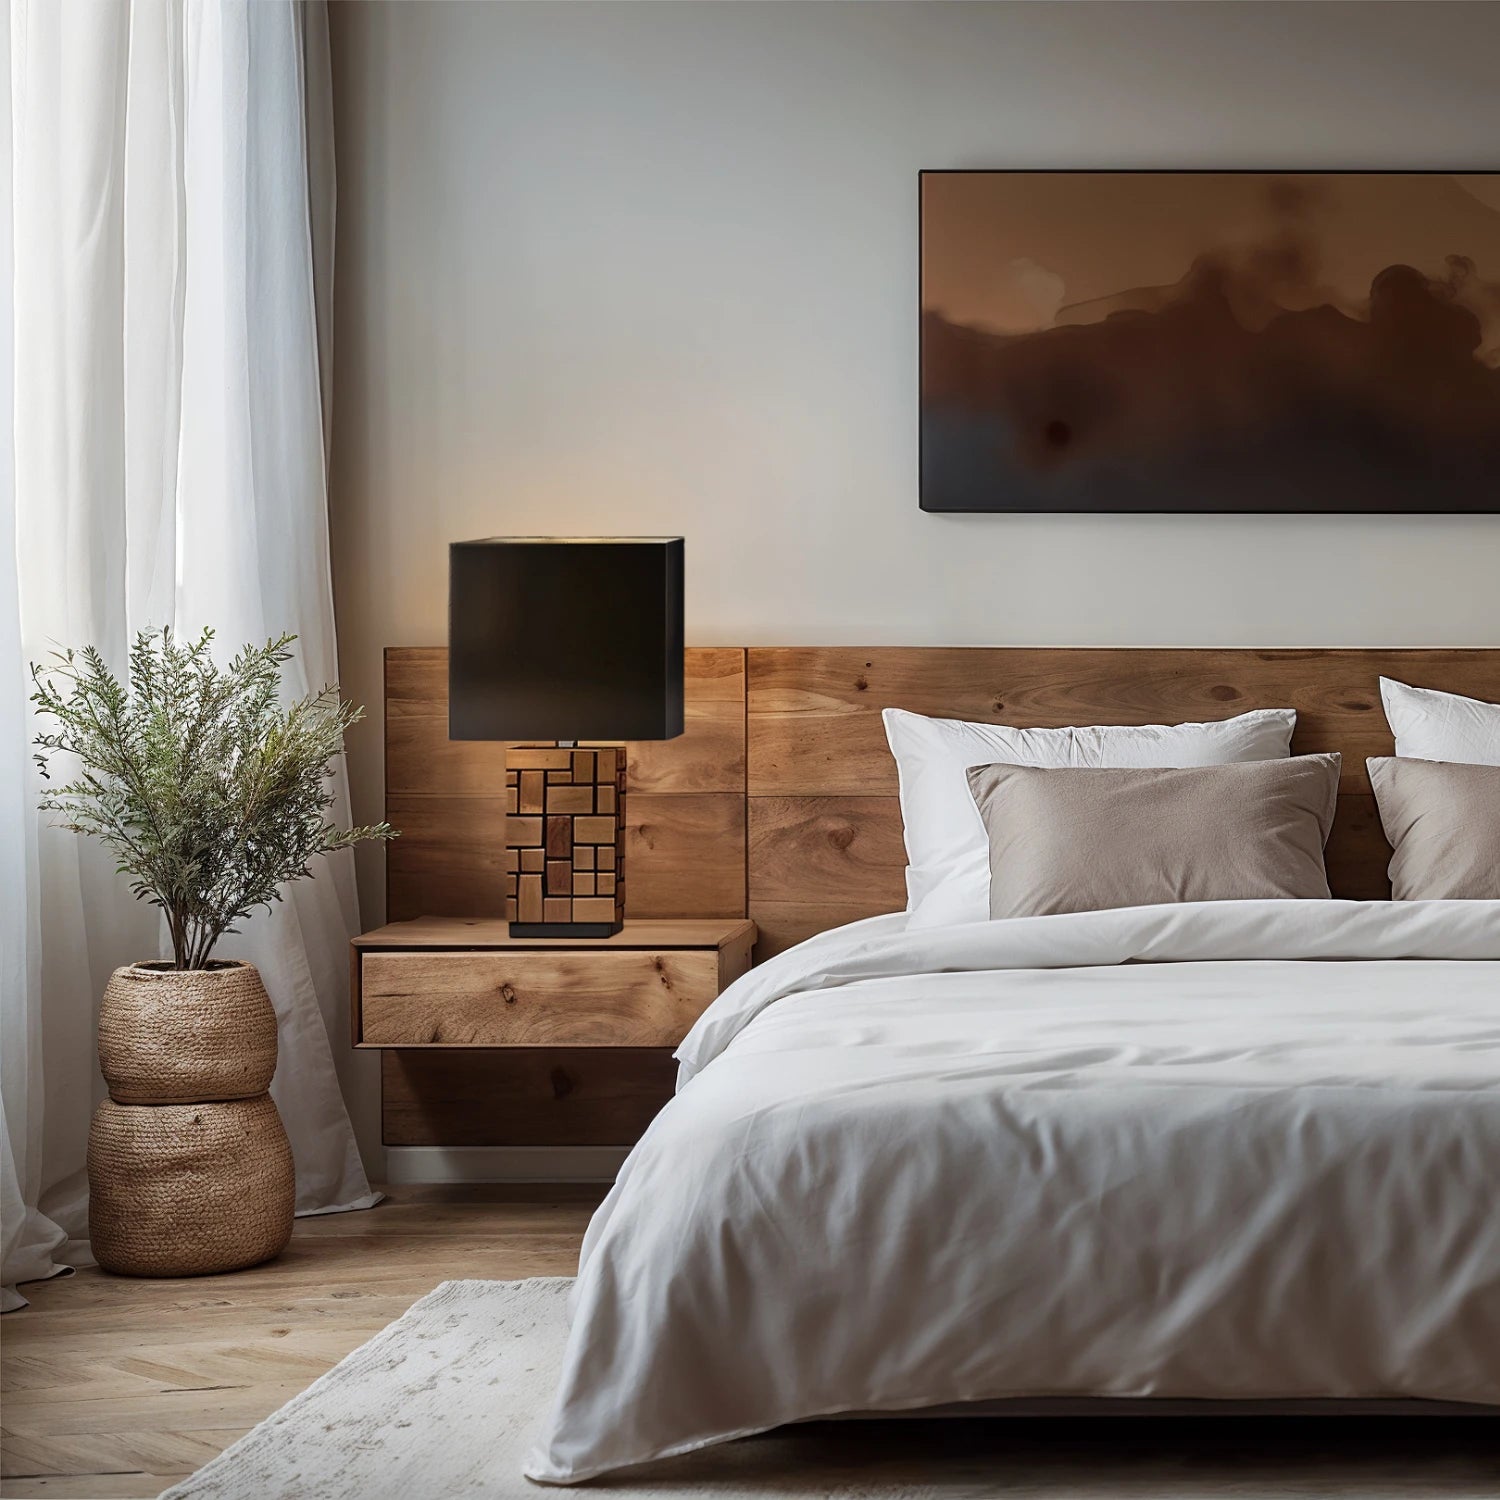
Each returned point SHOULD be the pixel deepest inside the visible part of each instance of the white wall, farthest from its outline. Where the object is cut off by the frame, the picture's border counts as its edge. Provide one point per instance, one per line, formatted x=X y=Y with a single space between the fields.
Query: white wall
x=652 y=268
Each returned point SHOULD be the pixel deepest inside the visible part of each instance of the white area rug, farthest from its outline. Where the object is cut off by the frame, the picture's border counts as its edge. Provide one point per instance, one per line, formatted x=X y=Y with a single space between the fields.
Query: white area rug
x=442 y=1405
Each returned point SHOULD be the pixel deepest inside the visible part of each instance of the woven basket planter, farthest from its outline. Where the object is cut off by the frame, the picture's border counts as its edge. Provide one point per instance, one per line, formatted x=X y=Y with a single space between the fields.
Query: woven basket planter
x=190 y=1170
x=170 y=1036
x=189 y=1189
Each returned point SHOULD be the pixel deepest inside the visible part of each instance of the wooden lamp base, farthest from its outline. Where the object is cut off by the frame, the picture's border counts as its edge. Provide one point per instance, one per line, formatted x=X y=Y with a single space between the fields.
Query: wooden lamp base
x=565 y=841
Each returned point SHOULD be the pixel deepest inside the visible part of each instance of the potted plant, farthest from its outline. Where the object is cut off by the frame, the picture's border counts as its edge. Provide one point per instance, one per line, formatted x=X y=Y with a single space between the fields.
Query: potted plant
x=211 y=795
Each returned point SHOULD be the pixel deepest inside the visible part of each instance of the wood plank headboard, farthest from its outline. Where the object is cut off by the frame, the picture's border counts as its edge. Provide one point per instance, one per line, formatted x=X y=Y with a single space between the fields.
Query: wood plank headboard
x=780 y=800
x=824 y=824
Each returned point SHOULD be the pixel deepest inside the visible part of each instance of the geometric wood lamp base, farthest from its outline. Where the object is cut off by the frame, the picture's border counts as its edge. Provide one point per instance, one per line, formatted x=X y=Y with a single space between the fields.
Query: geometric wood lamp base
x=565 y=841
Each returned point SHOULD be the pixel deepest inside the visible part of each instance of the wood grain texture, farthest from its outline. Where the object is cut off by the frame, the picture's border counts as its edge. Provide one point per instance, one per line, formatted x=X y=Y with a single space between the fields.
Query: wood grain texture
x=595 y=1084
x=533 y=1096
x=685 y=815
x=118 y=1387
x=818 y=862
x=784 y=924
x=627 y=998
x=685 y=855
x=709 y=756
x=438 y=933
x=1357 y=856
x=846 y=848
x=814 y=712
x=824 y=823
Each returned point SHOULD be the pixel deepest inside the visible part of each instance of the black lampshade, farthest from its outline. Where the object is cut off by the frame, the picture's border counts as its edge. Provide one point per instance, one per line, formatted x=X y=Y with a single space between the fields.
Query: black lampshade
x=565 y=638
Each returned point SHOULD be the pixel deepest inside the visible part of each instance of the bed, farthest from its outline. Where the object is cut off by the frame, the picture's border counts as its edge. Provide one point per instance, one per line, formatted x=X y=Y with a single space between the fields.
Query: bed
x=1218 y=1151
x=1211 y=1152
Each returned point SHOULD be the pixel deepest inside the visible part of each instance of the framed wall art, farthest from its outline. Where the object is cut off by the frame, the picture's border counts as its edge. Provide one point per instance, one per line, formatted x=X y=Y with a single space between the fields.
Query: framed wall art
x=1210 y=341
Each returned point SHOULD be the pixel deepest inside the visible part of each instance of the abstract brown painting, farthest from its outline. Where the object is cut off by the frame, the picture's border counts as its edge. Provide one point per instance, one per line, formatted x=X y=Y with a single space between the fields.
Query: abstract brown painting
x=1210 y=341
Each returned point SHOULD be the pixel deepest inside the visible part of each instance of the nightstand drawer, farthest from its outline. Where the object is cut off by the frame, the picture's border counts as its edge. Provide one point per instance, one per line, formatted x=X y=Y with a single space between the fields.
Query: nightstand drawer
x=539 y=998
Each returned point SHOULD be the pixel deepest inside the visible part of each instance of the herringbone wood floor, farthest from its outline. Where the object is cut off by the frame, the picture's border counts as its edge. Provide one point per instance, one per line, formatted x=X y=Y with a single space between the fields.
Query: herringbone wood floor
x=114 y=1387
x=117 y=1387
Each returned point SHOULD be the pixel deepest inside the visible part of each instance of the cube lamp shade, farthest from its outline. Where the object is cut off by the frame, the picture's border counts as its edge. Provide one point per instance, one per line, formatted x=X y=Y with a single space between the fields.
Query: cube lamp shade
x=570 y=638
x=565 y=639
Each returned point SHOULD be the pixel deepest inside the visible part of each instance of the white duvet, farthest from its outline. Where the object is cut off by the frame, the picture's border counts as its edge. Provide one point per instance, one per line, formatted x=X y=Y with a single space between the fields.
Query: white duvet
x=1230 y=1150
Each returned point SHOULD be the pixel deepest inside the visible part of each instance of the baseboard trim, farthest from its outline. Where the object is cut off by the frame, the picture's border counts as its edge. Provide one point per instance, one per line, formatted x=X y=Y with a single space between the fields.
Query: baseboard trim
x=416 y=1164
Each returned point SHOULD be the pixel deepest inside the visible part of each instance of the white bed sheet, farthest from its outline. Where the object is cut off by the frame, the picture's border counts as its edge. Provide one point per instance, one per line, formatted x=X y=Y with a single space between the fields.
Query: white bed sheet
x=1230 y=1150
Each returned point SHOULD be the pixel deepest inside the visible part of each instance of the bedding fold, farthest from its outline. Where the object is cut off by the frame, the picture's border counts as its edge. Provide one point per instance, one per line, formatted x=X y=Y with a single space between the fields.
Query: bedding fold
x=1175 y=932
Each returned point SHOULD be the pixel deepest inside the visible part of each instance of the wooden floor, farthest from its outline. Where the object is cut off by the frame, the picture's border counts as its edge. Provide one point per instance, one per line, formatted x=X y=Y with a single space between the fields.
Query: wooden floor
x=117 y=1387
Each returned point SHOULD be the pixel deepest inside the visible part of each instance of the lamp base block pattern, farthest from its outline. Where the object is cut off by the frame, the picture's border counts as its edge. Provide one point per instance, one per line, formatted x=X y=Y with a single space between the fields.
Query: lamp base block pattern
x=565 y=841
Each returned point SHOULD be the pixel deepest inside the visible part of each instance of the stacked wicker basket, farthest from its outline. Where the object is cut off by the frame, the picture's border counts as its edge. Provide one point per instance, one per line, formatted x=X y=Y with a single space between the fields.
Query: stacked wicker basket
x=190 y=1169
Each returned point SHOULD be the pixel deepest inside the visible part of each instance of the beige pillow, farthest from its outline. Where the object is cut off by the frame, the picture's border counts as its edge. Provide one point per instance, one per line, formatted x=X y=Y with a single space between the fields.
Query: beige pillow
x=1442 y=820
x=1083 y=840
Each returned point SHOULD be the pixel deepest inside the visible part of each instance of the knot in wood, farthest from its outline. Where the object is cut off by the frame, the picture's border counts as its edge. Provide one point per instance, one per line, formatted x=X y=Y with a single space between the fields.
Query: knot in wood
x=507 y=994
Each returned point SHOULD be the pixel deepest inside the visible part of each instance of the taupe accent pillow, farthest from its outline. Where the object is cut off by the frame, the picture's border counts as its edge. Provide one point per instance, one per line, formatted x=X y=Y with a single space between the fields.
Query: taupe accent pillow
x=1442 y=821
x=1071 y=839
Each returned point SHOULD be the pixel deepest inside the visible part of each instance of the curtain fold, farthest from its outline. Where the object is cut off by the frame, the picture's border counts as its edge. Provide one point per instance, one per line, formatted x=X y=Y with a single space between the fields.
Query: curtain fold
x=169 y=339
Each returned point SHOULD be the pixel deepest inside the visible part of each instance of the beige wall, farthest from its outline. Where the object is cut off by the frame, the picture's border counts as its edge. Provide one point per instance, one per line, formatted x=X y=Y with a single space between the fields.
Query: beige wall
x=652 y=268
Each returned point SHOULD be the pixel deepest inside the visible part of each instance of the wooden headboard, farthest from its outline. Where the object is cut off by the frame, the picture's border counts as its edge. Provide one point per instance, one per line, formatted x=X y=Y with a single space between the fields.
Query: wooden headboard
x=779 y=801
x=824 y=822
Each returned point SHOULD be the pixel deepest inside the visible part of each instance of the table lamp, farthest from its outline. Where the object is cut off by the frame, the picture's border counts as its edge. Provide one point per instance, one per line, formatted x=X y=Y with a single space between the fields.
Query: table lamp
x=568 y=640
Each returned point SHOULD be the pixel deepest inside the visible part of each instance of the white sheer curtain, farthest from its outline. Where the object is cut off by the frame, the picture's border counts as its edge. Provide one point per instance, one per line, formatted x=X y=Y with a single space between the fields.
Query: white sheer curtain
x=170 y=170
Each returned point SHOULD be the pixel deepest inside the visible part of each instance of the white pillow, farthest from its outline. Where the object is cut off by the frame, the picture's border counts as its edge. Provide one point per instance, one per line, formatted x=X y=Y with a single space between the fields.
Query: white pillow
x=1430 y=725
x=947 y=848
